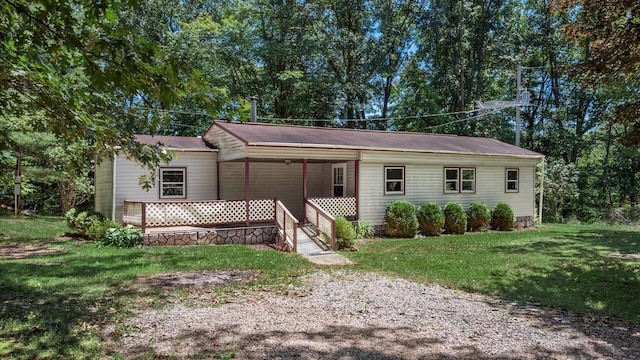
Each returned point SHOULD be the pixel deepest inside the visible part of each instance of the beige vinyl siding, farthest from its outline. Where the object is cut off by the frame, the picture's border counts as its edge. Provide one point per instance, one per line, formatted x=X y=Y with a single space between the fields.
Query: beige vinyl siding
x=424 y=182
x=104 y=187
x=270 y=180
x=229 y=147
x=201 y=179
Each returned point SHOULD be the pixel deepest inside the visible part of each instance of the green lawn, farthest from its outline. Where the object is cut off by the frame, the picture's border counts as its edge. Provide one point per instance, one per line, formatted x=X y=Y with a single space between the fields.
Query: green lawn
x=561 y=266
x=50 y=305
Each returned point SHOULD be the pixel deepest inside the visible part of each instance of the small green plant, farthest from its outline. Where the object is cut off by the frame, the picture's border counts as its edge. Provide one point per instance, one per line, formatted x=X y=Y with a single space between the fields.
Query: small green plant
x=364 y=230
x=345 y=234
x=455 y=219
x=478 y=217
x=121 y=237
x=400 y=219
x=502 y=217
x=430 y=219
x=70 y=218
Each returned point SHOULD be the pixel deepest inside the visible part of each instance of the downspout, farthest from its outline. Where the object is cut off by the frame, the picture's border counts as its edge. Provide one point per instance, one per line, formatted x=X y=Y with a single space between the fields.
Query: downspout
x=113 y=190
x=540 y=206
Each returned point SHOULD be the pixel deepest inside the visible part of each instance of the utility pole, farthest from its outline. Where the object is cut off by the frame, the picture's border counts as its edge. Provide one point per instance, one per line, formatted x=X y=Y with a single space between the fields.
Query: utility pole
x=17 y=181
x=518 y=100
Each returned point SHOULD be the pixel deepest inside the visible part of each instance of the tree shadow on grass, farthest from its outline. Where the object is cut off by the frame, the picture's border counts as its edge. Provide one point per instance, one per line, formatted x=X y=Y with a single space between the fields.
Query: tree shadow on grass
x=45 y=311
x=602 y=291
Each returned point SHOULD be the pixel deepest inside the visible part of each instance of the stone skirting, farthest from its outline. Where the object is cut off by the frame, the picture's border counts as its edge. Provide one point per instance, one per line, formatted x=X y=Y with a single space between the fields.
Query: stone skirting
x=524 y=221
x=223 y=236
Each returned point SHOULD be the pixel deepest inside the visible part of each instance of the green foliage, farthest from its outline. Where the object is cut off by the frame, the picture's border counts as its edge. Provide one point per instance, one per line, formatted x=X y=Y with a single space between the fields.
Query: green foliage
x=478 y=217
x=560 y=187
x=455 y=220
x=70 y=218
x=121 y=237
x=430 y=219
x=345 y=234
x=98 y=229
x=85 y=221
x=364 y=229
x=502 y=217
x=400 y=219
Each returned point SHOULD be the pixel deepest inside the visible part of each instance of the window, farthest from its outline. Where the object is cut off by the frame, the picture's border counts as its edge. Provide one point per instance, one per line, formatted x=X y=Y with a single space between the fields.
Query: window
x=173 y=183
x=393 y=180
x=511 y=180
x=459 y=180
x=338 y=179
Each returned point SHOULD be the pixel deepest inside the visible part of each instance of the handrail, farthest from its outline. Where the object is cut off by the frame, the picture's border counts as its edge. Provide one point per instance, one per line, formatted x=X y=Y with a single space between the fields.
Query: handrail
x=288 y=224
x=323 y=221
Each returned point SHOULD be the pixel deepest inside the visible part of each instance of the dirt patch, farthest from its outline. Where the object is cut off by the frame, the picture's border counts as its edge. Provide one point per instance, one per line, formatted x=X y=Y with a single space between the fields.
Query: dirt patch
x=24 y=251
x=200 y=278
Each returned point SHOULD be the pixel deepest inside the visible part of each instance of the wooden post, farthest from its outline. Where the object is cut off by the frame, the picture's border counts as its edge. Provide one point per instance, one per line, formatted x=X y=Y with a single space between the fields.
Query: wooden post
x=246 y=190
x=304 y=188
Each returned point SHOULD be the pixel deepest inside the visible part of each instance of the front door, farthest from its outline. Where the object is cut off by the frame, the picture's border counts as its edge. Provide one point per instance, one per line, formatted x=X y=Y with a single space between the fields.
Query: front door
x=339 y=179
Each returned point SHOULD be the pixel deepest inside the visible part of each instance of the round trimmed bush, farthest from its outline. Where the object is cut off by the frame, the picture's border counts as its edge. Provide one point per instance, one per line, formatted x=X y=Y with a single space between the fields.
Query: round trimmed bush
x=502 y=217
x=455 y=219
x=400 y=219
x=345 y=234
x=430 y=219
x=478 y=217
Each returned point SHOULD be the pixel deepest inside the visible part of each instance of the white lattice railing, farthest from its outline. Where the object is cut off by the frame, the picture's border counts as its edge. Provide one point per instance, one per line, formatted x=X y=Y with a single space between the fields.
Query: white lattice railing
x=288 y=225
x=322 y=220
x=345 y=207
x=183 y=213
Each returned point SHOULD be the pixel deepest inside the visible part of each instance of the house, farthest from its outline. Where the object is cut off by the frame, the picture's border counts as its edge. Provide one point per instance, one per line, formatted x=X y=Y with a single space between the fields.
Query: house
x=353 y=173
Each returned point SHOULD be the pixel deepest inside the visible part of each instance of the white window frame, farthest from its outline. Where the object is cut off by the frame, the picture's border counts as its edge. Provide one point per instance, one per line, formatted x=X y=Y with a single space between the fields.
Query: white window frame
x=508 y=181
x=162 y=183
x=387 y=181
x=459 y=182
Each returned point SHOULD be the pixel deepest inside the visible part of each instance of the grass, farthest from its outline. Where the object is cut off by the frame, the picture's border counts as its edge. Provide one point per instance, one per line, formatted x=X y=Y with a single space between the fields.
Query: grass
x=559 y=266
x=50 y=305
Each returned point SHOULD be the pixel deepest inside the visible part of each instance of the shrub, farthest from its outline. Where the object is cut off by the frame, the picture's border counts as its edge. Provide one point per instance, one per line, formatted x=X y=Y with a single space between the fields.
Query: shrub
x=502 y=217
x=430 y=219
x=455 y=220
x=478 y=217
x=364 y=230
x=98 y=229
x=400 y=219
x=345 y=234
x=70 y=218
x=82 y=221
x=121 y=237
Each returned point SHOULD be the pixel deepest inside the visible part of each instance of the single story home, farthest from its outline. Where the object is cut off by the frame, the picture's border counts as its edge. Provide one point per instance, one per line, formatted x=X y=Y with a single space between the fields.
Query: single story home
x=353 y=173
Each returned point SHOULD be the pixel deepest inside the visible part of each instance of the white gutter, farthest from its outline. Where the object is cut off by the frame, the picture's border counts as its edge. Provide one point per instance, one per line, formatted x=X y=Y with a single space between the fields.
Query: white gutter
x=113 y=190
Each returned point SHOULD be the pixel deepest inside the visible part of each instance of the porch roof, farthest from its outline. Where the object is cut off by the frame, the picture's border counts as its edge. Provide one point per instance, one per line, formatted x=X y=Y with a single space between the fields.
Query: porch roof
x=275 y=135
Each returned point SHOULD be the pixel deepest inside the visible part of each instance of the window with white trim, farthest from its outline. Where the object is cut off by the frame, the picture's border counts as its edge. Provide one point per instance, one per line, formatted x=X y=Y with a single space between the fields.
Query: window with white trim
x=394 y=180
x=173 y=184
x=512 y=177
x=459 y=180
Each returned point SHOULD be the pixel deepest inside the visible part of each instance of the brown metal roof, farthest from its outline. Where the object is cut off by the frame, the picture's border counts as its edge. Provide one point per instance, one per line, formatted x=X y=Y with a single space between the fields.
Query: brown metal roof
x=174 y=142
x=258 y=134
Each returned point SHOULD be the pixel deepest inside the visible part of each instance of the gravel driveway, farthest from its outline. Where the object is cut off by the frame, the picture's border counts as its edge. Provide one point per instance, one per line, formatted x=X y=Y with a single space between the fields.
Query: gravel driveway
x=349 y=315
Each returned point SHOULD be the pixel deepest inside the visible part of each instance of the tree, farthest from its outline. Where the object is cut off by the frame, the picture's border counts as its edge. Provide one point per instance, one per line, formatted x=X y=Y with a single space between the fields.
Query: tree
x=610 y=30
x=75 y=70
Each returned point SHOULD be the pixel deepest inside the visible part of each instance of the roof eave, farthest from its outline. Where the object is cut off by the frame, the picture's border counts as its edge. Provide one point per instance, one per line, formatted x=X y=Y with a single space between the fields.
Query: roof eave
x=360 y=148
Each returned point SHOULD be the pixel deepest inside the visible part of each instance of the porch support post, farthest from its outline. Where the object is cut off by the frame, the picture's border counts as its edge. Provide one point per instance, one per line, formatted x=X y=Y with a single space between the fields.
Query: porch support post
x=357 y=188
x=246 y=190
x=304 y=188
